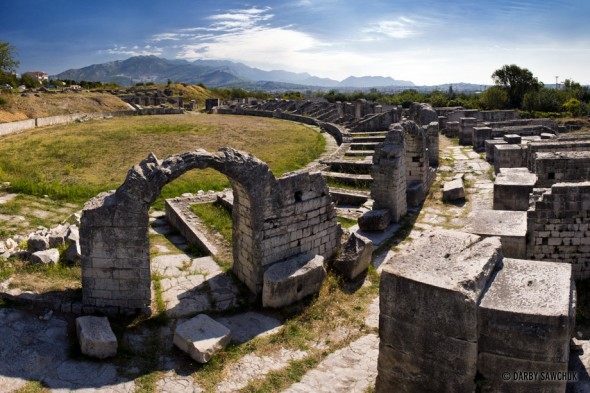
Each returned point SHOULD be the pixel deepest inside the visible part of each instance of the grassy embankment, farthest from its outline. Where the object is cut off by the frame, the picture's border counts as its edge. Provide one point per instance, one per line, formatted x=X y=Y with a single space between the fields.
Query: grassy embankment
x=76 y=161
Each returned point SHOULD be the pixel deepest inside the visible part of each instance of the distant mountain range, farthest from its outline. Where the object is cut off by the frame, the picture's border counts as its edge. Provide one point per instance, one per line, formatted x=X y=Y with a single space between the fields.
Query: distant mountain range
x=215 y=73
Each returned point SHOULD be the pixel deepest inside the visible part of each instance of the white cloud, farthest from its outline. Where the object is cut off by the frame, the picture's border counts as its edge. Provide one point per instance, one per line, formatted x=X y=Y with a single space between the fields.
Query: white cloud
x=146 y=50
x=399 y=28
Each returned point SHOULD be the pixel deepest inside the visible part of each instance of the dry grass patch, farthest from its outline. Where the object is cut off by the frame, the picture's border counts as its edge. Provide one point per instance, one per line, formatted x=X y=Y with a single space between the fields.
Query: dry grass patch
x=43 y=278
x=43 y=105
x=319 y=325
x=76 y=161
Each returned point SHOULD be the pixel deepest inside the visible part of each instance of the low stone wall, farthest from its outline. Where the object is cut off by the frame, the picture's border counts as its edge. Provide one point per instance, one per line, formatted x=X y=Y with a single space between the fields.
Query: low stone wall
x=552 y=146
x=559 y=227
x=10 y=128
x=16 y=126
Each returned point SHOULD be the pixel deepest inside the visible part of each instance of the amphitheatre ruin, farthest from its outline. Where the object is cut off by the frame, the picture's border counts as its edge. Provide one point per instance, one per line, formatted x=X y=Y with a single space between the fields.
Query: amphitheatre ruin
x=470 y=230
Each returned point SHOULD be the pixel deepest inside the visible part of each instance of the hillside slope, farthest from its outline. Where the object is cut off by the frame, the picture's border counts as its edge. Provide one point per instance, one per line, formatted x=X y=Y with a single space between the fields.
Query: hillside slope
x=32 y=106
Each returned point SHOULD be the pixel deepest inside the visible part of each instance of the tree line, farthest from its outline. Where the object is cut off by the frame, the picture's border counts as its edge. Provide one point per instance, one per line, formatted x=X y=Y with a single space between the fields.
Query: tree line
x=514 y=88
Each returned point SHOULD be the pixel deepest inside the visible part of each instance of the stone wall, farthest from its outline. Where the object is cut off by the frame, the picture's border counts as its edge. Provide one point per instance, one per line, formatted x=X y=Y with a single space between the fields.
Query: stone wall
x=552 y=146
x=559 y=227
x=401 y=172
x=388 y=189
x=562 y=167
x=273 y=219
x=12 y=127
x=377 y=122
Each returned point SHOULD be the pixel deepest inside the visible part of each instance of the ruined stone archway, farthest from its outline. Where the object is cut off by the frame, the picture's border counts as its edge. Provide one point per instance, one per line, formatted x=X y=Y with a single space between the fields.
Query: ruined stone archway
x=273 y=219
x=401 y=173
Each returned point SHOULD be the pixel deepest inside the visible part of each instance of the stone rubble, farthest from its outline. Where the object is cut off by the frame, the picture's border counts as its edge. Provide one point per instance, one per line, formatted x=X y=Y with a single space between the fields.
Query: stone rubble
x=201 y=337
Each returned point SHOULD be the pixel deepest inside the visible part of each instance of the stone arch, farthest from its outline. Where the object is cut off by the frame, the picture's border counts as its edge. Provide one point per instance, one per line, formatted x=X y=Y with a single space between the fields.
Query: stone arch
x=273 y=219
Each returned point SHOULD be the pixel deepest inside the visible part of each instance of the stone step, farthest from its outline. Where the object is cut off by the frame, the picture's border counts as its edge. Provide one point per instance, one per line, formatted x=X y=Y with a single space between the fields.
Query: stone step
x=350 y=166
x=349 y=179
x=364 y=146
x=342 y=196
x=365 y=139
x=368 y=133
x=359 y=153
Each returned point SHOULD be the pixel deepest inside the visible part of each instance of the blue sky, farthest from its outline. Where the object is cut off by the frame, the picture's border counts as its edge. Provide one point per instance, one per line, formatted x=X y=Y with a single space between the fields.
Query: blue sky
x=423 y=41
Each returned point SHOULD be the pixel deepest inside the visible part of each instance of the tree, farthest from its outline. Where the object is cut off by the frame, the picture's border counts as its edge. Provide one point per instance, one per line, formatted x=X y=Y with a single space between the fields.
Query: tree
x=573 y=106
x=8 y=62
x=517 y=82
x=544 y=100
x=494 y=97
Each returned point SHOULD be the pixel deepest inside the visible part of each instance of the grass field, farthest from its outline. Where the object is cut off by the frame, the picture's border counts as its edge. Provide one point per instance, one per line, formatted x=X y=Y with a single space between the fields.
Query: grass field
x=76 y=161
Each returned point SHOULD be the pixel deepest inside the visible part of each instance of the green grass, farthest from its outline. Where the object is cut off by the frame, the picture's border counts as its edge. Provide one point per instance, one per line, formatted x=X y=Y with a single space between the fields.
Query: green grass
x=346 y=222
x=306 y=323
x=76 y=161
x=216 y=217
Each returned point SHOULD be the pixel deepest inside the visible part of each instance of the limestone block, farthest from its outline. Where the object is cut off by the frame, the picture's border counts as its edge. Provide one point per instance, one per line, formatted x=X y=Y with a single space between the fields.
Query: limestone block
x=400 y=372
x=510 y=225
x=50 y=256
x=57 y=236
x=96 y=337
x=453 y=190
x=291 y=280
x=505 y=374
x=528 y=311
x=513 y=139
x=37 y=243
x=512 y=188
x=355 y=256
x=439 y=285
x=72 y=254
x=375 y=220
x=201 y=337
x=415 y=193
x=428 y=303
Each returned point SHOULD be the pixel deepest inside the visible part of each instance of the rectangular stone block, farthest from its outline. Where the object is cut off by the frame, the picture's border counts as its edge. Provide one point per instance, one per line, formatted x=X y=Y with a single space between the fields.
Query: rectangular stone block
x=291 y=280
x=440 y=284
x=403 y=373
x=528 y=312
x=425 y=343
x=510 y=375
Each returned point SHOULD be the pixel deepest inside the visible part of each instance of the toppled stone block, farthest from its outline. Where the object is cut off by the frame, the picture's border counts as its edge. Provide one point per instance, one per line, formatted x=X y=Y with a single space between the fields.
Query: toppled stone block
x=201 y=337
x=355 y=256
x=96 y=337
x=293 y=279
x=72 y=254
x=454 y=190
x=37 y=242
x=57 y=236
x=50 y=256
x=375 y=220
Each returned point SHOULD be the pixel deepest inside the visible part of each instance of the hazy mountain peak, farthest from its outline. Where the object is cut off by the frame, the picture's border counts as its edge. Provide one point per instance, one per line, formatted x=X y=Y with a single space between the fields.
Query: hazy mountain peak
x=212 y=73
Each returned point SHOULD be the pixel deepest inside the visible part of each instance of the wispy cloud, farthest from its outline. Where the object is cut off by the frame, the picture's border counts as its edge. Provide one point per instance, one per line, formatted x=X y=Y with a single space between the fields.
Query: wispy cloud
x=402 y=27
x=135 y=50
